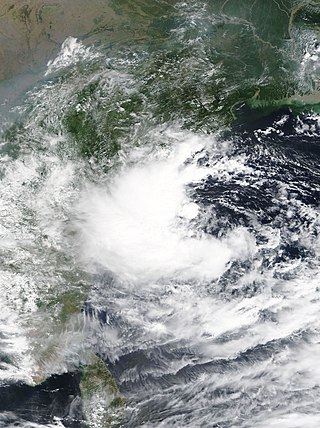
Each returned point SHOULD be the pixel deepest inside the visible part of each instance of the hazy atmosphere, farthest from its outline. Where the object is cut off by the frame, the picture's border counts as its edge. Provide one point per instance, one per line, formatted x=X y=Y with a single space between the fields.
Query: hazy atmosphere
x=159 y=213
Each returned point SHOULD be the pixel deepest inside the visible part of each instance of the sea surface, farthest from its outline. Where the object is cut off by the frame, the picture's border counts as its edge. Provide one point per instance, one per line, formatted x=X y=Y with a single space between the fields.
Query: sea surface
x=159 y=223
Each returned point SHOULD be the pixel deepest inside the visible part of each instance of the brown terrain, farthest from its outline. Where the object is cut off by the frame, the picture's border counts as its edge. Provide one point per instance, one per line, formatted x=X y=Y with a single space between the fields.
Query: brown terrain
x=31 y=31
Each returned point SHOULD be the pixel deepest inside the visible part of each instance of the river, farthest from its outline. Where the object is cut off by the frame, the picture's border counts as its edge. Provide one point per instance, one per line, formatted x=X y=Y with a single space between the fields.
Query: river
x=159 y=221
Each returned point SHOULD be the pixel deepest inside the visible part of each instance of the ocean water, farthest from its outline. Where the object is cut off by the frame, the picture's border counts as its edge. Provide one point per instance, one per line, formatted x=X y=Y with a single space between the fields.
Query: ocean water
x=160 y=214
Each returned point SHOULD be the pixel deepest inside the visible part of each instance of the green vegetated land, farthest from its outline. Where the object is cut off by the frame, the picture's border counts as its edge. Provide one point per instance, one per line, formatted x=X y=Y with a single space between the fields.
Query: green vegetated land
x=195 y=63
x=247 y=53
x=201 y=73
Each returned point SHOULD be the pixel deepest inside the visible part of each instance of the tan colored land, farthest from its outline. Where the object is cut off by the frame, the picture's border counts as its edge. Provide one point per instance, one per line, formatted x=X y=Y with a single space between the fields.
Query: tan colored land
x=31 y=31
x=313 y=98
